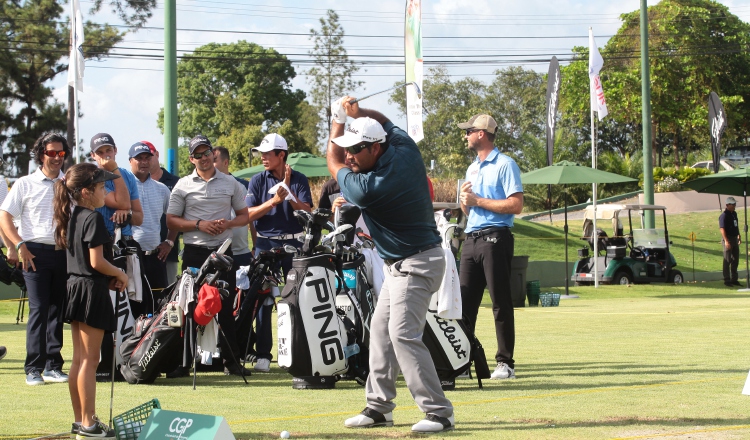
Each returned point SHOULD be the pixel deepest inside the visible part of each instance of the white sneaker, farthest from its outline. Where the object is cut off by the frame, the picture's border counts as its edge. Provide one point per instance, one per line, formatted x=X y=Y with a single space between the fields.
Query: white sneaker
x=369 y=418
x=262 y=365
x=432 y=424
x=503 y=371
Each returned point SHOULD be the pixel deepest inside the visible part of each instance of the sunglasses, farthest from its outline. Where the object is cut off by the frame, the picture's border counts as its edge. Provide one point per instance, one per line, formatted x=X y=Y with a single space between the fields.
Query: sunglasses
x=471 y=130
x=200 y=155
x=355 y=149
x=54 y=153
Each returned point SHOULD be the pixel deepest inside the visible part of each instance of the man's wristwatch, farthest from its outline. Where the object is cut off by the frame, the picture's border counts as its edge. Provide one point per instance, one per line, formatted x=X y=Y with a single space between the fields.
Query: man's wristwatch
x=169 y=242
x=197 y=225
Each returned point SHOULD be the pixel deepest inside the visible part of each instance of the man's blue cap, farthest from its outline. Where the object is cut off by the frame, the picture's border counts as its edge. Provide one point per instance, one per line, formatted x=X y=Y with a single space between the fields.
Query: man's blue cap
x=138 y=148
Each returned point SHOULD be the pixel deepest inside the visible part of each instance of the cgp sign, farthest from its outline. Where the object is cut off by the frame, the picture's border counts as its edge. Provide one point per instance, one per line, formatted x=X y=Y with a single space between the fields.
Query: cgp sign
x=173 y=425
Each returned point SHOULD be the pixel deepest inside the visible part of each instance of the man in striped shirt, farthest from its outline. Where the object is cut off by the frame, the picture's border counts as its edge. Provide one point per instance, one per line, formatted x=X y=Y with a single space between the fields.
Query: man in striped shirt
x=44 y=265
x=154 y=197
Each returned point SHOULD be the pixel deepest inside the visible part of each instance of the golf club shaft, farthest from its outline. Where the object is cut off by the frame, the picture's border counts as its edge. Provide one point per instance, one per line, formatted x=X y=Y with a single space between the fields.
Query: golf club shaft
x=419 y=92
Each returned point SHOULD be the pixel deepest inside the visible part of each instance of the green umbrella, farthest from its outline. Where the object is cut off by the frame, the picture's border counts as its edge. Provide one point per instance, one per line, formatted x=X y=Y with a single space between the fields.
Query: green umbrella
x=305 y=163
x=570 y=173
x=733 y=183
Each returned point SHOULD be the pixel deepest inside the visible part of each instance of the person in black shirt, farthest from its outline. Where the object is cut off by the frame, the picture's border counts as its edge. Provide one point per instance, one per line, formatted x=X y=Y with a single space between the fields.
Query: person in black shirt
x=87 y=307
x=730 y=234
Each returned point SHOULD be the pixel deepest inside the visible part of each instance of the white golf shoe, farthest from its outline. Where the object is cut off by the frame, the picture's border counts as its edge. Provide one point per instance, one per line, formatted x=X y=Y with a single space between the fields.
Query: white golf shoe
x=369 y=418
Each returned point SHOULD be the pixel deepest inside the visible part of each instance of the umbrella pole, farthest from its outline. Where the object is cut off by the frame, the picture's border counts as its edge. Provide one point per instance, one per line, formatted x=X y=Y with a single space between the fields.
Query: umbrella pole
x=567 y=275
x=549 y=201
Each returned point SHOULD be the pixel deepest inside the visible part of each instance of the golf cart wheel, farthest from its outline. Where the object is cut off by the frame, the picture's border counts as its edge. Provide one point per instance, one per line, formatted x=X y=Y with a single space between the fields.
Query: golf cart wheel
x=676 y=277
x=622 y=278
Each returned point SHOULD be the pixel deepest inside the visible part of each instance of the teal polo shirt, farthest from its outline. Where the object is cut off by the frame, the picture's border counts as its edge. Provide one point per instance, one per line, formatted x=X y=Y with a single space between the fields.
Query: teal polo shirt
x=497 y=177
x=394 y=197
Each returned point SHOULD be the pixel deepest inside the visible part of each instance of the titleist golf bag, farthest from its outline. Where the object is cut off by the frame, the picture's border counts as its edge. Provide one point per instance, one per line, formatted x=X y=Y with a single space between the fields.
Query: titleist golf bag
x=313 y=341
x=154 y=346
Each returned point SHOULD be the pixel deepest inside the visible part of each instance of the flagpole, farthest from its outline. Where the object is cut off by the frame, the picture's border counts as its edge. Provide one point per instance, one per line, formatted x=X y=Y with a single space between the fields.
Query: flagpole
x=77 y=131
x=594 y=233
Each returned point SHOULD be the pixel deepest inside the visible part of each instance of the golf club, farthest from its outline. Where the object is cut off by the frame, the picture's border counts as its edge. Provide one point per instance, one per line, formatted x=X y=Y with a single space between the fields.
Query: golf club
x=419 y=91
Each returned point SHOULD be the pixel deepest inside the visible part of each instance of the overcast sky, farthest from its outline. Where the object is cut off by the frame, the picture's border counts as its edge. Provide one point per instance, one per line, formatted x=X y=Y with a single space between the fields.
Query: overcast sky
x=123 y=94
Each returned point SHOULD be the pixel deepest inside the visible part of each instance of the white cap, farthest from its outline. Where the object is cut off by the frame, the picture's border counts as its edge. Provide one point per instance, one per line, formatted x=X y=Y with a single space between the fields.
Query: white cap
x=731 y=201
x=271 y=142
x=361 y=130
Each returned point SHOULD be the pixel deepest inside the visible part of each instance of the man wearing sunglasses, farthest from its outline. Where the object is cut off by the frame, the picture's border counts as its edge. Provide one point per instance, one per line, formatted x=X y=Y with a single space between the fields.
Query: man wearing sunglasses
x=380 y=169
x=199 y=207
x=32 y=245
x=274 y=222
x=491 y=197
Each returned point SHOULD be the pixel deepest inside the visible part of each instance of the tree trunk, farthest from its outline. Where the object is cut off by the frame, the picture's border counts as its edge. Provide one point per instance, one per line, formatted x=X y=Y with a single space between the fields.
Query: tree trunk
x=676 y=150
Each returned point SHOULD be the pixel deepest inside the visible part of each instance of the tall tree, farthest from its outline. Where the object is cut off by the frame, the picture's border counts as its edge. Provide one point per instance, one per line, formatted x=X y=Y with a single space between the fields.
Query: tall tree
x=35 y=50
x=234 y=93
x=696 y=46
x=331 y=77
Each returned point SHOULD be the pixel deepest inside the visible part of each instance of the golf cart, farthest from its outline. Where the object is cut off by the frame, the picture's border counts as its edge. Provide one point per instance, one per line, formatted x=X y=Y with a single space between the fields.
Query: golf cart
x=641 y=256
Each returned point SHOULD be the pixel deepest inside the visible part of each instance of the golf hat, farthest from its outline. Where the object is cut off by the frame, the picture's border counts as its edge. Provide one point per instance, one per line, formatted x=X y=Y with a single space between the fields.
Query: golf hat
x=99 y=175
x=198 y=141
x=480 y=122
x=209 y=304
x=731 y=201
x=150 y=147
x=101 y=139
x=138 y=148
x=361 y=130
x=271 y=142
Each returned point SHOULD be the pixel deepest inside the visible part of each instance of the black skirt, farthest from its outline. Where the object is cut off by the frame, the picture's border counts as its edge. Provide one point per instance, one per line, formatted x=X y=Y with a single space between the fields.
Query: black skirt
x=88 y=301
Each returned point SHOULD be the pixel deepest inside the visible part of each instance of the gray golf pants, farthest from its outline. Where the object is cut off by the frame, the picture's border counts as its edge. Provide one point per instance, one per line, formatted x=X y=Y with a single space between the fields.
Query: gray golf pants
x=396 y=336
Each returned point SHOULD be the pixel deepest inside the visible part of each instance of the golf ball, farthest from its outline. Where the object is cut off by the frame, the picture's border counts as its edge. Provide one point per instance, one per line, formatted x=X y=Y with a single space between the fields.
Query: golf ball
x=285 y=434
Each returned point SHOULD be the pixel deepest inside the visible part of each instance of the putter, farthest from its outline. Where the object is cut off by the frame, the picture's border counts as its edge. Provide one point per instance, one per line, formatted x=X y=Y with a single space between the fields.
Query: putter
x=419 y=91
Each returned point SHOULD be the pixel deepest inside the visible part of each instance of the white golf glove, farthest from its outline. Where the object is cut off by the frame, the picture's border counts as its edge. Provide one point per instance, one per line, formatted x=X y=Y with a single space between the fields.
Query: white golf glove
x=337 y=111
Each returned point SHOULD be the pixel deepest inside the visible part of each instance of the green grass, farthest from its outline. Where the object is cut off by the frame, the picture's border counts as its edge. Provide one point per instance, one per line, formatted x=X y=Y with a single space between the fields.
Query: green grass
x=619 y=362
x=542 y=241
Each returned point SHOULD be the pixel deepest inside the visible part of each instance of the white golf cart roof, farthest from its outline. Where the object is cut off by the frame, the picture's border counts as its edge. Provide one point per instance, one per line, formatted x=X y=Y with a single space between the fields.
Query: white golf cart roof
x=609 y=211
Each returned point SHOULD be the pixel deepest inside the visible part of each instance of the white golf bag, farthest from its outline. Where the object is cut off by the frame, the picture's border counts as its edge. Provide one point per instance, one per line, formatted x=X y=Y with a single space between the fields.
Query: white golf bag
x=312 y=339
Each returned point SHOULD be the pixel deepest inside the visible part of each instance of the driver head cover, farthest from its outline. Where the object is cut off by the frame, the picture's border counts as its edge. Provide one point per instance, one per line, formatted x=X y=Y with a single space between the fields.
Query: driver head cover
x=209 y=304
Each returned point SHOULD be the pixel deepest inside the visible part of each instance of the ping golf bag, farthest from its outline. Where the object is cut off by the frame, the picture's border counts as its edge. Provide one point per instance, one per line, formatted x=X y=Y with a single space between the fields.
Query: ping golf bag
x=311 y=336
x=314 y=343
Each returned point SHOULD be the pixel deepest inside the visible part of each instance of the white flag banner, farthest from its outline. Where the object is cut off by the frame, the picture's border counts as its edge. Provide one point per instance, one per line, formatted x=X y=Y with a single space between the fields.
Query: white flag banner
x=76 y=63
x=598 y=103
x=414 y=68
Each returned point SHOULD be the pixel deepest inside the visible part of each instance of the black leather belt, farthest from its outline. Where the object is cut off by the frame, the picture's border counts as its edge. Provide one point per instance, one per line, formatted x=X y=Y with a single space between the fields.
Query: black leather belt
x=392 y=261
x=208 y=248
x=32 y=245
x=486 y=231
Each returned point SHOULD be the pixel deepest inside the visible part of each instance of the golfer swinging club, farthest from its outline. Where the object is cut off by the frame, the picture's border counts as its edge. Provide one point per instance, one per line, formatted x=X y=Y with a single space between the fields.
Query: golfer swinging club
x=380 y=169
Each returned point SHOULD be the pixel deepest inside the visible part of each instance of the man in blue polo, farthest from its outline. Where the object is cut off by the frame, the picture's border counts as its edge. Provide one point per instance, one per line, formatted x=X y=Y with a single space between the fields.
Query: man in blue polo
x=274 y=221
x=491 y=197
x=380 y=169
x=122 y=196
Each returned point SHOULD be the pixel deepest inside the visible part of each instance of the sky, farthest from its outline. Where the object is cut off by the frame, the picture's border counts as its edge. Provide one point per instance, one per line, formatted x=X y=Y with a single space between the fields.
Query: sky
x=123 y=94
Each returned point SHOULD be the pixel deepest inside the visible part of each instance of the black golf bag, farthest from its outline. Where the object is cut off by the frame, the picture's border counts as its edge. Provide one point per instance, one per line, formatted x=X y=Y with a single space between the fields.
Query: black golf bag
x=453 y=348
x=311 y=337
x=154 y=346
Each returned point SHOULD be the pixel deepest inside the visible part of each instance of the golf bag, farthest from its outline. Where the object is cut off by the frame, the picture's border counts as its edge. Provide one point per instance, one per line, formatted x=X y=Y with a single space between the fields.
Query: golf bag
x=153 y=347
x=311 y=337
x=453 y=349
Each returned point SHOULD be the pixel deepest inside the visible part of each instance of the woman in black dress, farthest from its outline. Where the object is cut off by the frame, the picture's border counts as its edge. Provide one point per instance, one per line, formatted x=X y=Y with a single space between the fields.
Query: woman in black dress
x=87 y=307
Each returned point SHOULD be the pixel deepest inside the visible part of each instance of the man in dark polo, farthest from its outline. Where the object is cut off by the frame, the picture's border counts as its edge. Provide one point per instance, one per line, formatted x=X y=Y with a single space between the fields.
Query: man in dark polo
x=730 y=239
x=274 y=221
x=199 y=207
x=380 y=169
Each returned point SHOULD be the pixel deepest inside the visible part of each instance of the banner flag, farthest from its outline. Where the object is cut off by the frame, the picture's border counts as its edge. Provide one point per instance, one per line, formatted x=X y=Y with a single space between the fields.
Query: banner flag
x=553 y=95
x=598 y=103
x=76 y=63
x=717 y=123
x=414 y=68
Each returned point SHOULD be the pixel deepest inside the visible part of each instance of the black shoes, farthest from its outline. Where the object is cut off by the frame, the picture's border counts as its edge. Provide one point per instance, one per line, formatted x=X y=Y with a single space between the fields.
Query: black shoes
x=236 y=370
x=178 y=372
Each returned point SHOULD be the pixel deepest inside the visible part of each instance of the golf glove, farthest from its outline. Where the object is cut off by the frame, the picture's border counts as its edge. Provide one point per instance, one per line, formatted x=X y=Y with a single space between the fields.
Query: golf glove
x=337 y=111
